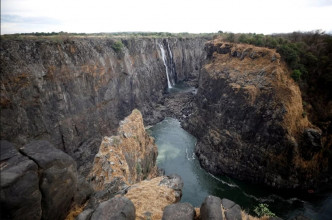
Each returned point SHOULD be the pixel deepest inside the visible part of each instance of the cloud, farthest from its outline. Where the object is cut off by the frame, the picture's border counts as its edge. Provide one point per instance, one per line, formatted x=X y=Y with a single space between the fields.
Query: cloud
x=8 y=18
x=320 y=3
x=169 y=16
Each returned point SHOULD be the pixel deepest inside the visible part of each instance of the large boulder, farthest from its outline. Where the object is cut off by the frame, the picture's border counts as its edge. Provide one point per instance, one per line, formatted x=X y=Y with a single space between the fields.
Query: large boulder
x=118 y=208
x=58 y=178
x=232 y=210
x=38 y=181
x=211 y=209
x=20 y=195
x=179 y=211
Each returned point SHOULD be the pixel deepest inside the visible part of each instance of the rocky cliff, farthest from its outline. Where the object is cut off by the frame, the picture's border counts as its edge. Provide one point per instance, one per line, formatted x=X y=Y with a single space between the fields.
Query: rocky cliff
x=74 y=90
x=250 y=120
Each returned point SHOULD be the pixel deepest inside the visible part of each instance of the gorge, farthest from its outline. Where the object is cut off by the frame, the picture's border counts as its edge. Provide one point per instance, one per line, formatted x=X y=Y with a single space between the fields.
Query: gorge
x=243 y=107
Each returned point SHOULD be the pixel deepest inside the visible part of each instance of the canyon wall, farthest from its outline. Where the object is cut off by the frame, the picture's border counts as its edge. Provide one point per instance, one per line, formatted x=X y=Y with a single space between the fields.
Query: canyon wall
x=73 y=91
x=250 y=120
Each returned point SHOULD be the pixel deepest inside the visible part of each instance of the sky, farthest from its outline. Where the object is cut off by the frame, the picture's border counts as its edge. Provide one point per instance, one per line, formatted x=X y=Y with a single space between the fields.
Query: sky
x=194 y=16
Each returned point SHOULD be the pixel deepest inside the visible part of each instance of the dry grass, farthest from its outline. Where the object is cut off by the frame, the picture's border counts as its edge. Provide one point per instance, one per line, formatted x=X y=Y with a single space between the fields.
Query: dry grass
x=149 y=197
x=75 y=211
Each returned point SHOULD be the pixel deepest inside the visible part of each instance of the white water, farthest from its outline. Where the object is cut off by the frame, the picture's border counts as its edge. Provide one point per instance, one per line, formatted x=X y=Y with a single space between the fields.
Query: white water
x=169 y=84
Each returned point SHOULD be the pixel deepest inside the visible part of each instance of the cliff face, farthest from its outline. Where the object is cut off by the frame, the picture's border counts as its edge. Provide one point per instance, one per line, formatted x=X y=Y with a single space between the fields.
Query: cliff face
x=250 y=120
x=130 y=156
x=73 y=91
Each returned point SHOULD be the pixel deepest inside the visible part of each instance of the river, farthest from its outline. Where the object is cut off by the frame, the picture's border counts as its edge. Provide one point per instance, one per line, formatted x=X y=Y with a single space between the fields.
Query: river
x=176 y=155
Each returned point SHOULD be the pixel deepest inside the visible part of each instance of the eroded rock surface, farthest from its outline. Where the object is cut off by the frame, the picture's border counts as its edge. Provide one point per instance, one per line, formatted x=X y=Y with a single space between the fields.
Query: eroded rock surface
x=250 y=122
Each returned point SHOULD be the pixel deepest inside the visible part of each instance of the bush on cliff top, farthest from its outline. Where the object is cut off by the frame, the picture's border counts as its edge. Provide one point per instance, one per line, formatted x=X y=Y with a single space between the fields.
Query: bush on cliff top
x=117 y=46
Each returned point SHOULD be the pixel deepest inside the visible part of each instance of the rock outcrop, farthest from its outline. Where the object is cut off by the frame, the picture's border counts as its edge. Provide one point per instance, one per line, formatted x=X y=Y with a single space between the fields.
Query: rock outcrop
x=38 y=181
x=128 y=157
x=250 y=122
x=72 y=91
x=211 y=208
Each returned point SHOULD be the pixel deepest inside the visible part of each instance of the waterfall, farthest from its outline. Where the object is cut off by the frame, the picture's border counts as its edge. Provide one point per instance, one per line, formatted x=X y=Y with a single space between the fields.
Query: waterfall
x=169 y=64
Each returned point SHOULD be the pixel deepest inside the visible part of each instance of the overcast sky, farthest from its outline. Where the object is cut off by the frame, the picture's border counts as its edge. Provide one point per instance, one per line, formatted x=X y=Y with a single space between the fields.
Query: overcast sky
x=195 y=16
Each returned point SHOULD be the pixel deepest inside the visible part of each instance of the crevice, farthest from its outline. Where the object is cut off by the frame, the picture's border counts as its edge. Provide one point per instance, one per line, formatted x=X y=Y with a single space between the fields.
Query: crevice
x=63 y=143
x=39 y=173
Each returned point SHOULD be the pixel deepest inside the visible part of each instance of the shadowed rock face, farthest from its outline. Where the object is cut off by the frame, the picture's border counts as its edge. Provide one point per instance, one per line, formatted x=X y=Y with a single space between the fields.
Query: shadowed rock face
x=250 y=122
x=74 y=91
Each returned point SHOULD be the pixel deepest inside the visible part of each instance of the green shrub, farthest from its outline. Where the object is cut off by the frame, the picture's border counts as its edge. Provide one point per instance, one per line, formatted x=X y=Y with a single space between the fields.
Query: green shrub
x=117 y=46
x=243 y=38
x=138 y=168
x=296 y=75
x=263 y=210
x=230 y=37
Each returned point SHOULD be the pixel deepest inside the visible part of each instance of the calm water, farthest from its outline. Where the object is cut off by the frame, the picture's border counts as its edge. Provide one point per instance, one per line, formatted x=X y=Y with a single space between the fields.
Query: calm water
x=176 y=155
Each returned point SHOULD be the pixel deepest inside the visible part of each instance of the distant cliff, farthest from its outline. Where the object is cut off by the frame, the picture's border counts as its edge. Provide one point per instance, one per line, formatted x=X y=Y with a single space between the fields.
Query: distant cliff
x=73 y=91
x=250 y=120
